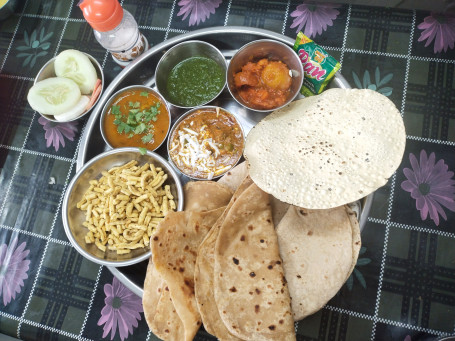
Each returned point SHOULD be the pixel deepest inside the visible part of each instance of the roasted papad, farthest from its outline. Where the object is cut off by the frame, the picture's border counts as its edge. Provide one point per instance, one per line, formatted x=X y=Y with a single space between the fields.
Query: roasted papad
x=327 y=150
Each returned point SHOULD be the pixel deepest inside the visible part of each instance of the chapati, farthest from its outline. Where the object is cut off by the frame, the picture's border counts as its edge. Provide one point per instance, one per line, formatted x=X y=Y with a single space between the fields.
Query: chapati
x=159 y=311
x=319 y=249
x=203 y=275
x=174 y=249
x=250 y=290
x=205 y=195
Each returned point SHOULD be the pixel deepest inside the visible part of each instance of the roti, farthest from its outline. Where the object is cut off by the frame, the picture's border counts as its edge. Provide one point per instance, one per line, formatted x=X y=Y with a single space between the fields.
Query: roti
x=205 y=195
x=234 y=177
x=319 y=249
x=250 y=290
x=169 y=302
x=204 y=272
x=174 y=248
x=327 y=150
x=159 y=311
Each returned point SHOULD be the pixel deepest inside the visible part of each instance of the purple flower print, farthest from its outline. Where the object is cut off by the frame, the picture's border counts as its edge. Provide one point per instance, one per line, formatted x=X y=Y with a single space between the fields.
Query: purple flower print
x=56 y=132
x=121 y=310
x=13 y=269
x=314 y=16
x=440 y=28
x=199 y=10
x=432 y=186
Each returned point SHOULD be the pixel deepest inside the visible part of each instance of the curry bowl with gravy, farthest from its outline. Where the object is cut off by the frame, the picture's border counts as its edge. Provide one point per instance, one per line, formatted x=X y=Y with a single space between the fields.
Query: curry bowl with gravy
x=205 y=143
x=264 y=75
x=135 y=116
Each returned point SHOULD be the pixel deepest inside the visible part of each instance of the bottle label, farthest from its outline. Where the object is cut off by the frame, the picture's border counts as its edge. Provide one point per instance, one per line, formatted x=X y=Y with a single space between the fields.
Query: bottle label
x=132 y=53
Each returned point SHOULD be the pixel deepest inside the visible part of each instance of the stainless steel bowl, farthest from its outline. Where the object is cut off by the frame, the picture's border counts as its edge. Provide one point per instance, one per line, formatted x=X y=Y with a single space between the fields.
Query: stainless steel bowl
x=180 y=52
x=117 y=94
x=272 y=50
x=48 y=71
x=74 y=217
x=183 y=117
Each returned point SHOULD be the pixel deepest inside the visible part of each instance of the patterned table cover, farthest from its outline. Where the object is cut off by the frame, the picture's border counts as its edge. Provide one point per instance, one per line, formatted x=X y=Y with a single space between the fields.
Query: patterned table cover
x=403 y=286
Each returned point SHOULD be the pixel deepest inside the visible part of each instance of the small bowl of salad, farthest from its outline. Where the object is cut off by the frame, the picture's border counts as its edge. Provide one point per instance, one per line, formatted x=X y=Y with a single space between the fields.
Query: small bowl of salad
x=191 y=74
x=135 y=116
x=67 y=87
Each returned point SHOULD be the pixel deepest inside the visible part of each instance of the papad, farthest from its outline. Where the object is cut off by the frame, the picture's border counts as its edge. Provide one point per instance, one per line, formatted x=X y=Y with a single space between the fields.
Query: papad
x=327 y=150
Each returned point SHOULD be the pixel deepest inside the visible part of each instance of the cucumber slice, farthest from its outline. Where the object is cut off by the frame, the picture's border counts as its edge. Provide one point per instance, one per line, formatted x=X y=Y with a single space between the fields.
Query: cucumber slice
x=75 y=112
x=77 y=66
x=53 y=96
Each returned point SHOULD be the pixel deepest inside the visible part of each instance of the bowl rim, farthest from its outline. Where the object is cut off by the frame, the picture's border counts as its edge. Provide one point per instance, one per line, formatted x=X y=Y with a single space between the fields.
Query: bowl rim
x=66 y=227
x=184 y=116
x=109 y=103
x=179 y=45
x=99 y=70
x=283 y=45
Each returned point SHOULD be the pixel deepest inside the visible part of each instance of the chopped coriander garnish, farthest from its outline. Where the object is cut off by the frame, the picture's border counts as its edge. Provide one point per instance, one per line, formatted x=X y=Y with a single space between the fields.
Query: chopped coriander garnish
x=136 y=121
x=144 y=94
x=142 y=150
x=116 y=110
x=147 y=138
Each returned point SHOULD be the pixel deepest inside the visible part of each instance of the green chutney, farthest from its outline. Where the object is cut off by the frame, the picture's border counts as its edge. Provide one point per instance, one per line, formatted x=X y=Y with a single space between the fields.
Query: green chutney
x=195 y=81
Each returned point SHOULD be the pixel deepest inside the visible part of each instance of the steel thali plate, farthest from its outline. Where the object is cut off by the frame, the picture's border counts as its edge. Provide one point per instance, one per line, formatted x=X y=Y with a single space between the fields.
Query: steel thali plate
x=142 y=71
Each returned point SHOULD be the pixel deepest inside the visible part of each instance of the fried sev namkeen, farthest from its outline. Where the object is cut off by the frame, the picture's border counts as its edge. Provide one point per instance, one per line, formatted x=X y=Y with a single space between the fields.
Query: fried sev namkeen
x=125 y=205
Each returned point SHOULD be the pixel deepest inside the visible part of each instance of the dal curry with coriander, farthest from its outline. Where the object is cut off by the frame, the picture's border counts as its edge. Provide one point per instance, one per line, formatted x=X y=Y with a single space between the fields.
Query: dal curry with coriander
x=206 y=143
x=136 y=118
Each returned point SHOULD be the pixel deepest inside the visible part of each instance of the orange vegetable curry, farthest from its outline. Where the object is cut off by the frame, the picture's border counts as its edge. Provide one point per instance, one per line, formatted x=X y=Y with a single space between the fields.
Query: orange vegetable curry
x=137 y=118
x=264 y=85
x=206 y=143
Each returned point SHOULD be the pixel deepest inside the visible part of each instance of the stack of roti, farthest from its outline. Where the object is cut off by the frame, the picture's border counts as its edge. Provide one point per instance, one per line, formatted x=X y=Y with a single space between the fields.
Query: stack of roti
x=218 y=262
x=169 y=303
x=240 y=286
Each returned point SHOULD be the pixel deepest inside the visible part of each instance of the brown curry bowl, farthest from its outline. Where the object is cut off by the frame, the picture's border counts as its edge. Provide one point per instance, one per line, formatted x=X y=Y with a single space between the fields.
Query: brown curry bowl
x=129 y=142
x=273 y=51
x=225 y=143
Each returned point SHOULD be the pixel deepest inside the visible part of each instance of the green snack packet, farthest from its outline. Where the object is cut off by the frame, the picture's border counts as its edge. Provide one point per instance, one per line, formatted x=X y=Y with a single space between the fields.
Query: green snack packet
x=318 y=66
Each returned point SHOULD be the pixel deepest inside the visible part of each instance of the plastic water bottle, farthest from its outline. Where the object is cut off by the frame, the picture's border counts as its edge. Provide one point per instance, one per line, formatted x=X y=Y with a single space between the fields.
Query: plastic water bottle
x=115 y=29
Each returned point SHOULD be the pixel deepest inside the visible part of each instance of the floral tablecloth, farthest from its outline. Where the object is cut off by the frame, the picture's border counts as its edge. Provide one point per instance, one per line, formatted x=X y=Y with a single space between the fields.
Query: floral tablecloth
x=403 y=286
